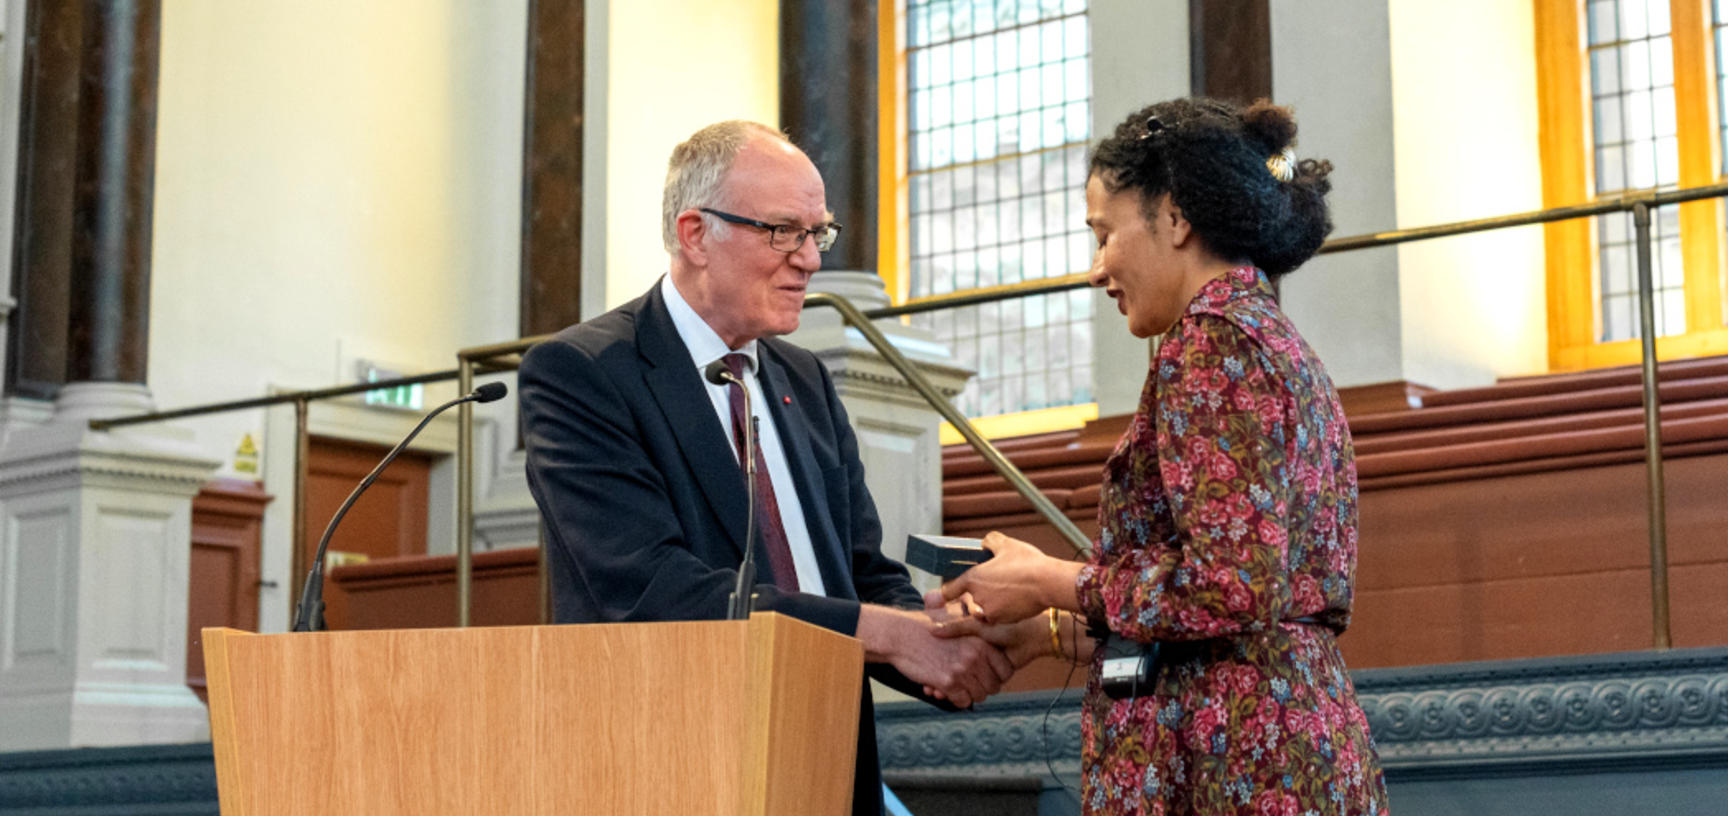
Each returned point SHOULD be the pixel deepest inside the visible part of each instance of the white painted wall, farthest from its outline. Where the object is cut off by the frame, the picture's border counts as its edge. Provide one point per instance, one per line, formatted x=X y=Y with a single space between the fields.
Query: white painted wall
x=1465 y=127
x=1331 y=61
x=1139 y=56
x=665 y=68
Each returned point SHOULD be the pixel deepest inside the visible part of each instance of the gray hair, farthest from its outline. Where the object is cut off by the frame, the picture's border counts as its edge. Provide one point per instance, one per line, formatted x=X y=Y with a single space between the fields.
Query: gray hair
x=697 y=168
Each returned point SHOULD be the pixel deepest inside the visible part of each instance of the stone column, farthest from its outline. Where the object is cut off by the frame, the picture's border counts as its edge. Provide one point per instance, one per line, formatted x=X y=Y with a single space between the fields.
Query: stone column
x=95 y=528
x=109 y=318
x=828 y=105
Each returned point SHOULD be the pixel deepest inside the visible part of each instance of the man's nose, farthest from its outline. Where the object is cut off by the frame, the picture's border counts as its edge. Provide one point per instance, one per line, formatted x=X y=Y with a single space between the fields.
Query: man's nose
x=806 y=258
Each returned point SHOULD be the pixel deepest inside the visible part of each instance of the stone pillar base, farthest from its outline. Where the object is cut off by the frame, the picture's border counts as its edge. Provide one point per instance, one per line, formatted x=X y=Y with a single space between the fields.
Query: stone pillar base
x=897 y=430
x=95 y=540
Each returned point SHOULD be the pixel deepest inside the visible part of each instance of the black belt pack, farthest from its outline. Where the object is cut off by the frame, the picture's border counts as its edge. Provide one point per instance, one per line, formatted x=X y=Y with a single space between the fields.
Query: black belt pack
x=1130 y=668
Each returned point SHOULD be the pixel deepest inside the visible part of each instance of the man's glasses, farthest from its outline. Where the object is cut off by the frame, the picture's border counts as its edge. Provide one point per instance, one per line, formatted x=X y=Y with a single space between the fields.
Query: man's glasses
x=784 y=237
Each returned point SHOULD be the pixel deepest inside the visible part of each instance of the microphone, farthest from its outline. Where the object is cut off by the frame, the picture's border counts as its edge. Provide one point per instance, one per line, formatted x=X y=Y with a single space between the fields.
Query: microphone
x=309 y=615
x=490 y=392
x=738 y=606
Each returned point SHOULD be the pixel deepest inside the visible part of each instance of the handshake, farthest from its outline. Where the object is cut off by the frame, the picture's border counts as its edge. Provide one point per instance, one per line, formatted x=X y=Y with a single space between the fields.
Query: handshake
x=958 y=648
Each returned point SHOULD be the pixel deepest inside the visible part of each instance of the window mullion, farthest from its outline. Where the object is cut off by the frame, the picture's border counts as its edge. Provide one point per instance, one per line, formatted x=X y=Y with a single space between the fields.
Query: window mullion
x=1701 y=223
x=1566 y=178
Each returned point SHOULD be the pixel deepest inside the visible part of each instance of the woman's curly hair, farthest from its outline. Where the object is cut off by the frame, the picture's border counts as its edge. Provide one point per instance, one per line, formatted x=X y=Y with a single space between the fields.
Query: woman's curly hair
x=1211 y=157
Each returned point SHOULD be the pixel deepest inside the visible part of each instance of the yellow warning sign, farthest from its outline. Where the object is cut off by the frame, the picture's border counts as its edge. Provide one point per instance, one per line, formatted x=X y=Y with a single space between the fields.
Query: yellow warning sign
x=246 y=456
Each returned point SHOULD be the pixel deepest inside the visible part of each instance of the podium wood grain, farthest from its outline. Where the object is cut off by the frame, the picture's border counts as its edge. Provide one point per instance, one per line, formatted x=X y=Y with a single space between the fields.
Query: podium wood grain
x=667 y=718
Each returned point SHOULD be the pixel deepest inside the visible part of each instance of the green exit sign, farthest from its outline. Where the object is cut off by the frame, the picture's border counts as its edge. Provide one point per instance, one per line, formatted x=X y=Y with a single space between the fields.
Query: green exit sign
x=406 y=397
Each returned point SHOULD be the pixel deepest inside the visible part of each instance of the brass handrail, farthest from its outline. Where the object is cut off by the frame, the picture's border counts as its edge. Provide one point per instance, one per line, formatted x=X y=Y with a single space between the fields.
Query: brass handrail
x=470 y=361
x=312 y=395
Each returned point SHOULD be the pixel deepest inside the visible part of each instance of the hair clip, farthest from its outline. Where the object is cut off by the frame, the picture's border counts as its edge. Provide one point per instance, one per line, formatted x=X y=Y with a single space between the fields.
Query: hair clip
x=1283 y=165
x=1152 y=126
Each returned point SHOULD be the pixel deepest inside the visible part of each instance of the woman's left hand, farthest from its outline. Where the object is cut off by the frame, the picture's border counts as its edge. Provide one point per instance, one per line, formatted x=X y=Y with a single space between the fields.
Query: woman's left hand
x=1008 y=587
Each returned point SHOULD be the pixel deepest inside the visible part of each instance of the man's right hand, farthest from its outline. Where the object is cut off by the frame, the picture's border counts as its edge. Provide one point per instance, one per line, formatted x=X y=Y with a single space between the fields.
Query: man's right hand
x=961 y=670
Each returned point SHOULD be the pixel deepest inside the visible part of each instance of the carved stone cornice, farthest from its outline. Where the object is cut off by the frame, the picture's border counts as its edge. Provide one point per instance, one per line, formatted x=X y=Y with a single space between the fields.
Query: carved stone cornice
x=136 y=469
x=63 y=453
x=857 y=366
x=1003 y=736
x=1627 y=712
x=74 y=780
x=1661 y=707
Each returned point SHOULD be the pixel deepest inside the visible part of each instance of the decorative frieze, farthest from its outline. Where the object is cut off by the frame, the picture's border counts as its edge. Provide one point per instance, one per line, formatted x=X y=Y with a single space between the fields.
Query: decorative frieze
x=1626 y=712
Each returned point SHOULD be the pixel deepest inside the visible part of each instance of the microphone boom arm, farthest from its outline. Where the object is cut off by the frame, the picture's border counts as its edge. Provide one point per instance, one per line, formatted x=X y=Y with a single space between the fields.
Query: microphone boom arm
x=309 y=614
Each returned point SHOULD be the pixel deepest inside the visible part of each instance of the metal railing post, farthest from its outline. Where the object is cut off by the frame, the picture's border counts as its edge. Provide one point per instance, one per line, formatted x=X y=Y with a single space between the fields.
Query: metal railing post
x=302 y=462
x=545 y=567
x=1652 y=429
x=464 y=494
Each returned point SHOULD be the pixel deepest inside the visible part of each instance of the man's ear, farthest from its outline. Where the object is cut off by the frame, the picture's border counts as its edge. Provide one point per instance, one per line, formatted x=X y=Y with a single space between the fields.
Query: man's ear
x=693 y=236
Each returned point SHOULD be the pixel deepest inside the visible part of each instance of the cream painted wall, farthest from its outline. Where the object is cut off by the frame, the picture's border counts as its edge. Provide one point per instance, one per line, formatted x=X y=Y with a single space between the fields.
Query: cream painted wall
x=1330 y=61
x=1465 y=133
x=668 y=68
x=333 y=180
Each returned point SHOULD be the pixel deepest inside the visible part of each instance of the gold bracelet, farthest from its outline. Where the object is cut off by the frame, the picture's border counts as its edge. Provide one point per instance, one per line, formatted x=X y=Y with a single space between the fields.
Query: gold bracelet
x=1055 y=636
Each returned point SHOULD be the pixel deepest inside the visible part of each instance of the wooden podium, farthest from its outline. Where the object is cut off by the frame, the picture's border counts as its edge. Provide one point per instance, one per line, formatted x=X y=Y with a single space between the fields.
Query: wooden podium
x=712 y=717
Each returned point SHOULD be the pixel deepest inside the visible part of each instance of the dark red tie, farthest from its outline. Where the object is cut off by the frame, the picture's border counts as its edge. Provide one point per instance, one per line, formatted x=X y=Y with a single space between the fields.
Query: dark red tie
x=767 y=508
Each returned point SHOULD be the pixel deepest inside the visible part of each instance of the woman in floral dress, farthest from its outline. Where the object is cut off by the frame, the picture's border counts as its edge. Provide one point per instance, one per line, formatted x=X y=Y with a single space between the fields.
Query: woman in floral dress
x=1228 y=513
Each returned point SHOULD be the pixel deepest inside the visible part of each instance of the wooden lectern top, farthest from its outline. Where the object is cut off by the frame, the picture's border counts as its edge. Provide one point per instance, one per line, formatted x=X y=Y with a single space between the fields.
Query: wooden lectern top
x=722 y=717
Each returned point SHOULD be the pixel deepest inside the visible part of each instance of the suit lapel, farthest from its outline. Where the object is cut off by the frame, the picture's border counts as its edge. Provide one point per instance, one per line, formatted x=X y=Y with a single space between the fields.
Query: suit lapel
x=683 y=399
x=806 y=475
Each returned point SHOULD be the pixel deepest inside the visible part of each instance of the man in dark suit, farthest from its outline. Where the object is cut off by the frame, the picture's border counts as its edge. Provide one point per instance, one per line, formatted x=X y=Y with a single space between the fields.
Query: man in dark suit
x=633 y=456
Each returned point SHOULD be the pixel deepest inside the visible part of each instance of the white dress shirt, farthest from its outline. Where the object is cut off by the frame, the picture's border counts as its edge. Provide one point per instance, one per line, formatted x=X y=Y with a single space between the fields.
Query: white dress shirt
x=705 y=346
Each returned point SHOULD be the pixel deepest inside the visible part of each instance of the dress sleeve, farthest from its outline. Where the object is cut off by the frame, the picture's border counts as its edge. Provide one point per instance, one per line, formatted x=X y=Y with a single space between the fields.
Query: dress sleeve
x=1220 y=450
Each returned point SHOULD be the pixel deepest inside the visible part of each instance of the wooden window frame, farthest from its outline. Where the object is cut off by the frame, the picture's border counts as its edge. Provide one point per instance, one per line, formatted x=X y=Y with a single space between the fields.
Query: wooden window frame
x=1563 y=91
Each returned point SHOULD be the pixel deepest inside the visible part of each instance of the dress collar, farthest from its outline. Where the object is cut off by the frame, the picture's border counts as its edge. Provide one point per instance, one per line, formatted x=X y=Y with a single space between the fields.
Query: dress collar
x=1241 y=282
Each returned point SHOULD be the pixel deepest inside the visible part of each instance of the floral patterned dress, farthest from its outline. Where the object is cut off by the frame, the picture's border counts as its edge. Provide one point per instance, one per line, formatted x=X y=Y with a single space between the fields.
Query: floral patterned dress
x=1228 y=532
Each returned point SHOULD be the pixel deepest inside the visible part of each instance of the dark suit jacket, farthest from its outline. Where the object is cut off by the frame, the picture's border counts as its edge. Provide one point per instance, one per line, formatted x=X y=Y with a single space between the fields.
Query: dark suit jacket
x=645 y=505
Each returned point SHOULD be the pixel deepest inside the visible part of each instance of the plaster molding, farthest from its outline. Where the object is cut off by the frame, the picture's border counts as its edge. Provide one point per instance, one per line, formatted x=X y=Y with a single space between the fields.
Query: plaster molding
x=178 y=476
x=506 y=528
x=61 y=452
x=857 y=365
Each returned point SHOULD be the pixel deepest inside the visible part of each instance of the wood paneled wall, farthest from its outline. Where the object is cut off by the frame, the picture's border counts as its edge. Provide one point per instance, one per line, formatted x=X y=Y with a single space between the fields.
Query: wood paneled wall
x=227 y=524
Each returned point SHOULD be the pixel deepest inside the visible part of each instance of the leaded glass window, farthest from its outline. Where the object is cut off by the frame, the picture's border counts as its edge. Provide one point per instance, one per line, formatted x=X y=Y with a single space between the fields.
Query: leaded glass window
x=1632 y=104
x=999 y=101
